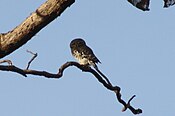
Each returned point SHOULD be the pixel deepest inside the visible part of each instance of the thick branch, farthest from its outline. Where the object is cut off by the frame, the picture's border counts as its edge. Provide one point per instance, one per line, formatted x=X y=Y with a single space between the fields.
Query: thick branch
x=46 y=13
x=109 y=86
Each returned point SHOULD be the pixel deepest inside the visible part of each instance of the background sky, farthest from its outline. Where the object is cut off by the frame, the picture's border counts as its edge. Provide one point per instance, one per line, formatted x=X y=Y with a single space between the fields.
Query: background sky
x=136 y=48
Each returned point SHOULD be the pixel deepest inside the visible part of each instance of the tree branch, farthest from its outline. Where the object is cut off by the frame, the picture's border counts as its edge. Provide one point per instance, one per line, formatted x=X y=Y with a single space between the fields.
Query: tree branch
x=45 y=14
x=59 y=74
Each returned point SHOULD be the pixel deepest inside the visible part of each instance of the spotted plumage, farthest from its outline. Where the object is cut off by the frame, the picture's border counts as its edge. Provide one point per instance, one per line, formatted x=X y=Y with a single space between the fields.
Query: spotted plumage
x=83 y=53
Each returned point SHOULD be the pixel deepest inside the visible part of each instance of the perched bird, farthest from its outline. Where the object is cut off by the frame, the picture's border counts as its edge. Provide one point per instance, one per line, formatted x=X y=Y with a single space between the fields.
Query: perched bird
x=83 y=53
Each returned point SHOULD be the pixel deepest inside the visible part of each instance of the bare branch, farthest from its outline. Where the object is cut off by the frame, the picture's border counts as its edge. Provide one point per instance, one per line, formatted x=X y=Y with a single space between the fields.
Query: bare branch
x=13 y=69
x=46 y=74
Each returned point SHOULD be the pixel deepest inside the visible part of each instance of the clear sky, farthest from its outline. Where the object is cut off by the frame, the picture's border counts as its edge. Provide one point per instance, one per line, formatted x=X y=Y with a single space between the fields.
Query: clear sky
x=136 y=48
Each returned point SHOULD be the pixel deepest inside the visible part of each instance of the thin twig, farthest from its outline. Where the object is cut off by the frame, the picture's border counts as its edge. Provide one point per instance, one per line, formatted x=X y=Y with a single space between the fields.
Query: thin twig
x=30 y=61
x=6 y=61
x=128 y=104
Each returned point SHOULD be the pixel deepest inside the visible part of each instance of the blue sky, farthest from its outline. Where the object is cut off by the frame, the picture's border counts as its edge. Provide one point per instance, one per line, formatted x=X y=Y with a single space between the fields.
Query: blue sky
x=136 y=49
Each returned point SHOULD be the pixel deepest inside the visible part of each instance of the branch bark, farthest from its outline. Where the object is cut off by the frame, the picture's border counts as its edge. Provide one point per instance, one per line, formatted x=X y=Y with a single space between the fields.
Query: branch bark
x=59 y=74
x=21 y=34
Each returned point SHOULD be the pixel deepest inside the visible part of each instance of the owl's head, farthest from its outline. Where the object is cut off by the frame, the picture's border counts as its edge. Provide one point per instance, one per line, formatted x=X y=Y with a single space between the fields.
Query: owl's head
x=78 y=42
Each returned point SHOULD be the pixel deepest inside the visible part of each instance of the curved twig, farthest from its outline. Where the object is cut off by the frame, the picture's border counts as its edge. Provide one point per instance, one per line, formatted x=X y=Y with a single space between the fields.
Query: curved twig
x=6 y=61
x=34 y=56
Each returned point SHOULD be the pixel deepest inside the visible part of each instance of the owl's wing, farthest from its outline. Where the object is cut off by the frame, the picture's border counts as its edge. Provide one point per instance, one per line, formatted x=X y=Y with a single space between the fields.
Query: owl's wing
x=88 y=53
